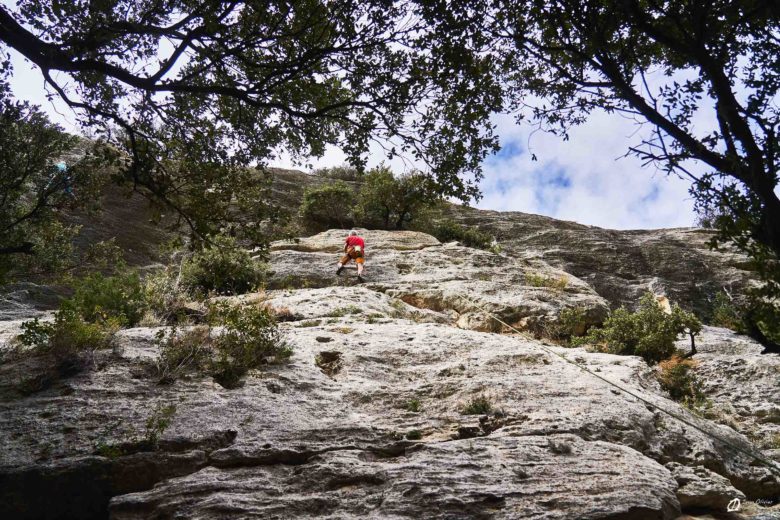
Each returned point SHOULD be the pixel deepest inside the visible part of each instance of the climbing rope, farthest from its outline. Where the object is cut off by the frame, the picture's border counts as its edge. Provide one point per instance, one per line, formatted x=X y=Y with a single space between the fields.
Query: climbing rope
x=771 y=465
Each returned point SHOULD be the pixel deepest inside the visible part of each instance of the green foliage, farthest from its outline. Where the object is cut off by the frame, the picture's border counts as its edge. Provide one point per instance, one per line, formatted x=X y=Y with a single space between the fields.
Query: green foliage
x=762 y=320
x=157 y=422
x=448 y=230
x=221 y=267
x=478 y=405
x=413 y=405
x=166 y=297
x=344 y=172
x=649 y=332
x=69 y=339
x=298 y=81
x=111 y=451
x=181 y=351
x=309 y=323
x=725 y=313
x=237 y=339
x=250 y=338
x=328 y=206
x=35 y=190
x=86 y=322
x=539 y=280
x=414 y=435
x=569 y=323
x=678 y=377
x=391 y=202
x=756 y=316
x=98 y=298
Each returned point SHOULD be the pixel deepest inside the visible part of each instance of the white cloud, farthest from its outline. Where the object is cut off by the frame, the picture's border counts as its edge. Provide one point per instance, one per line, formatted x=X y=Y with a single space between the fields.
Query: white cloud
x=585 y=179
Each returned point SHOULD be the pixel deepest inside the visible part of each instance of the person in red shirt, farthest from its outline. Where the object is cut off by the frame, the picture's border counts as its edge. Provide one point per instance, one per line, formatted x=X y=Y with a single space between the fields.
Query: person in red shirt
x=354 y=249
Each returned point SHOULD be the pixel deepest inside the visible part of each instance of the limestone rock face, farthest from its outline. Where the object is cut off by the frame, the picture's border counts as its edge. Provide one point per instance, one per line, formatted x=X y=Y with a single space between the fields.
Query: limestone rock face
x=552 y=442
x=405 y=397
x=501 y=477
x=701 y=488
x=741 y=384
x=620 y=265
x=462 y=282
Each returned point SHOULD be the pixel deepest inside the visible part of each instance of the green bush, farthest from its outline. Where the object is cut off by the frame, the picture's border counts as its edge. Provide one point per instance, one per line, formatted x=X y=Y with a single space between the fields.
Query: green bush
x=237 y=339
x=649 y=332
x=182 y=351
x=677 y=376
x=392 y=202
x=449 y=231
x=250 y=339
x=69 y=339
x=156 y=424
x=344 y=172
x=166 y=296
x=413 y=405
x=725 y=313
x=551 y=282
x=328 y=206
x=414 y=435
x=478 y=405
x=222 y=268
x=754 y=316
x=99 y=298
x=86 y=322
x=569 y=323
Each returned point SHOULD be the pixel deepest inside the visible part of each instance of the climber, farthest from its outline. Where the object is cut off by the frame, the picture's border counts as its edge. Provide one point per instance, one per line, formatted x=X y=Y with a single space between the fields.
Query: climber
x=354 y=249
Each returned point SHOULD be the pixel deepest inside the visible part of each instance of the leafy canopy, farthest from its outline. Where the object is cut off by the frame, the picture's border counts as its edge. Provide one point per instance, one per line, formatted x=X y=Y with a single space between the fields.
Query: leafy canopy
x=699 y=77
x=43 y=173
x=186 y=86
x=329 y=206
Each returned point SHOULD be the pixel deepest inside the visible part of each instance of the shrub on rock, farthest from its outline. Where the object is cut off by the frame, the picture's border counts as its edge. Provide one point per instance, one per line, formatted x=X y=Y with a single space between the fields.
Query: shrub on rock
x=250 y=339
x=328 y=206
x=222 y=267
x=86 y=322
x=650 y=332
x=237 y=339
x=677 y=376
x=100 y=298
x=448 y=231
x=387 y=201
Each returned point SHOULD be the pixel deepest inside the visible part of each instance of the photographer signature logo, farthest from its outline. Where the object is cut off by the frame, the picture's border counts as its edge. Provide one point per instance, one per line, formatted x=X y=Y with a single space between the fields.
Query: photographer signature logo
x=734 y=506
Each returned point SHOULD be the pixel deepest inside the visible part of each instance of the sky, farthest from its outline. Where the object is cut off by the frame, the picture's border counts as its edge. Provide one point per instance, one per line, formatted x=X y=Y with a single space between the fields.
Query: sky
x=586 y=179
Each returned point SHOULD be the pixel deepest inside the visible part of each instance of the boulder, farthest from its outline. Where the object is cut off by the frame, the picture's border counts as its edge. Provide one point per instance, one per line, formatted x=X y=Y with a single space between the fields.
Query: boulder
x=701 y=488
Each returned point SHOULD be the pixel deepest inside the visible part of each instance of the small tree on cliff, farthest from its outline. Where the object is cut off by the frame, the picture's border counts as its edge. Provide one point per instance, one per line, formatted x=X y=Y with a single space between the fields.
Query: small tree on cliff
x=392 y=202
x=650 y=332
x=331 y=205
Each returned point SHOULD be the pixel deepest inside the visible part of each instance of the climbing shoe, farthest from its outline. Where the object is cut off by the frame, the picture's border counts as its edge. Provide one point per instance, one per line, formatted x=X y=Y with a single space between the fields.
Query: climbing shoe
x=360 y=279
x=338 y=271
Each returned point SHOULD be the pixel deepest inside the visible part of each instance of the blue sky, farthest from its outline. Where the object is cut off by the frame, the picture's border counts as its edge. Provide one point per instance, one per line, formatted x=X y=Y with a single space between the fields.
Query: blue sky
x=585 y=179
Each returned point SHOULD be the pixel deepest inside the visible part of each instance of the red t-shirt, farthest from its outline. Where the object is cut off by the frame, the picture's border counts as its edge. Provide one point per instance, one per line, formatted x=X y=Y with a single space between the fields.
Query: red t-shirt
x=353 y=241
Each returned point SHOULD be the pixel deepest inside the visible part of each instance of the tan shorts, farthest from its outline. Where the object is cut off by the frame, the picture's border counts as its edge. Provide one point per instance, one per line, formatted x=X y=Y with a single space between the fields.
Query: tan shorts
x=352 y=254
